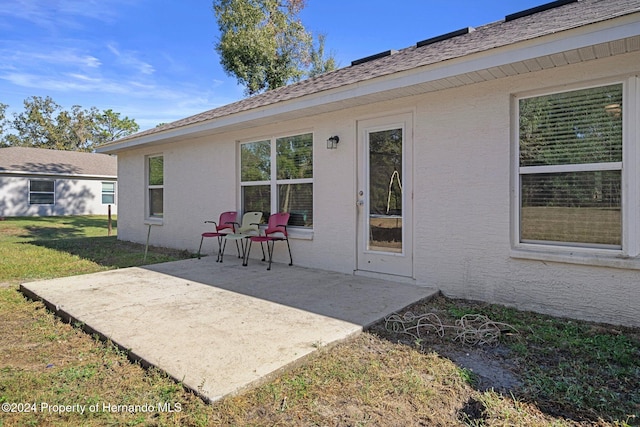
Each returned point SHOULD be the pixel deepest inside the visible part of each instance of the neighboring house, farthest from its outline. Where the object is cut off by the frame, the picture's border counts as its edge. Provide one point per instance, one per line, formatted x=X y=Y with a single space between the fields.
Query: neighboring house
x=498 y=163
x=41 y=182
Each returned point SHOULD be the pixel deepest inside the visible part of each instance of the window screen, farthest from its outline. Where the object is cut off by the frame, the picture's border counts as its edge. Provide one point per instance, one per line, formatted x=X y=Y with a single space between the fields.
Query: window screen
x=570 y=166
x=41 y=192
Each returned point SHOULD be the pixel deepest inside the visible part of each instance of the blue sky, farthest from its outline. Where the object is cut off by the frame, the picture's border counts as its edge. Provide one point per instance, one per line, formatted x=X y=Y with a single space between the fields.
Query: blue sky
x=154 y=61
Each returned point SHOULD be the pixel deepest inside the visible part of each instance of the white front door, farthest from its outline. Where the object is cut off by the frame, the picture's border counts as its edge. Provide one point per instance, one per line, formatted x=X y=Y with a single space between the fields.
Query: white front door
x=384 y=199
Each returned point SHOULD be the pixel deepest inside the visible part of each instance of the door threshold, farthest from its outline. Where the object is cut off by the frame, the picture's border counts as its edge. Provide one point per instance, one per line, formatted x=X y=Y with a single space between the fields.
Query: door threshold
x=385 y=276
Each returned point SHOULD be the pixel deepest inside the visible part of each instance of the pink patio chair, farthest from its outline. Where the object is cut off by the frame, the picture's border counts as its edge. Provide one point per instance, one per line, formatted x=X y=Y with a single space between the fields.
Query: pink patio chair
x=224 y=226
x=276 y=232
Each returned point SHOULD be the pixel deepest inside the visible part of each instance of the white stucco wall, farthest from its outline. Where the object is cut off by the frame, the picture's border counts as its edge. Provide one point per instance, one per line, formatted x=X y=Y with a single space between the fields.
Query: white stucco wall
x=201 y=181
x=462 y=175
x=73 y=196
x=464 y=146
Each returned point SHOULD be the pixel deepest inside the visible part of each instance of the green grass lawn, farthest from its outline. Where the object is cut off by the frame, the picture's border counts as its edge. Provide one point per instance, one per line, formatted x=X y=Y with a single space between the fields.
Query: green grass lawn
x=48 y=247
x=573 y=373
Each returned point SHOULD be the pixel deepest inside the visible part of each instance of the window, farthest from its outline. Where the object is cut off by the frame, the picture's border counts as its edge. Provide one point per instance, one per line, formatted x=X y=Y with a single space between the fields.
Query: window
x=41 y=192
x=108 y=193
x=255 y=177
x=287 y=187
x=570 y=157
x=155 y=186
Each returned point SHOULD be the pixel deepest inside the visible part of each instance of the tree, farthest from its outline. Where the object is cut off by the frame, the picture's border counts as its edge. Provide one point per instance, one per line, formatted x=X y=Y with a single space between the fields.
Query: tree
x=264 y=44
x=45 y=124
x=319 y=64
x=109 y=126
x=3 y=124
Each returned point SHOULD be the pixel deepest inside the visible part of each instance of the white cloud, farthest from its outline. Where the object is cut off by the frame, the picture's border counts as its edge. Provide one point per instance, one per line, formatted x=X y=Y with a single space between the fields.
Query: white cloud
x=63 y=51
x=147 y=102
x=63 y=83
x=130 y=59
x=92 y=62
x=181 y=96
x=24 y=56
x=70 y=13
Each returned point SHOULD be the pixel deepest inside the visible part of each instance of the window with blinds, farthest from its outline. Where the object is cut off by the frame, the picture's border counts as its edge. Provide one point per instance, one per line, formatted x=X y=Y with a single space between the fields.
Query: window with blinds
x=41 y=192
x=570 y=168
x=287 y=187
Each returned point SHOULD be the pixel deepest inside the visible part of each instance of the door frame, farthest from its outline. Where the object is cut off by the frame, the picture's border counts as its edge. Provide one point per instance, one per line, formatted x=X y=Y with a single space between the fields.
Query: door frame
x=375 y=262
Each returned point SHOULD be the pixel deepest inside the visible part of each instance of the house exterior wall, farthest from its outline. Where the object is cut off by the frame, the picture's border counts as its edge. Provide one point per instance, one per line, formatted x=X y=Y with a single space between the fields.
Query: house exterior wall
x=73 y=196
x=463 y=144
x=464 y=246
x=201 y=181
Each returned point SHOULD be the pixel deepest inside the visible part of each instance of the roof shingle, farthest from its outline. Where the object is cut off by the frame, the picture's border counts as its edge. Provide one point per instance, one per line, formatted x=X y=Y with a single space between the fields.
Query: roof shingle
x=56 y=162
x=484 y=38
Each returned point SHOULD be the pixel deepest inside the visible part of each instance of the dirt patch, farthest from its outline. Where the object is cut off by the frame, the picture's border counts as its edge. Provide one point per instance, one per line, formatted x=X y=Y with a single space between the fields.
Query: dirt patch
x=491 y=367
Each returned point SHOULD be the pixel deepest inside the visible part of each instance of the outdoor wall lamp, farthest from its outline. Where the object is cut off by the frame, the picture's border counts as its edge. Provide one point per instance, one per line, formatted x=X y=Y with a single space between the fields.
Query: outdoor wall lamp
x=332 y=143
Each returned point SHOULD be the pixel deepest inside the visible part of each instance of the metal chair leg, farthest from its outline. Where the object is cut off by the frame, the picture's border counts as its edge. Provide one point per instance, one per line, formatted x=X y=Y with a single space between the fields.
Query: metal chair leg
x=224 y=245
x=270 y=250
x=201 y=239
x=290 y=257
x=246 y=250
x=262 y=247
x=219 y=249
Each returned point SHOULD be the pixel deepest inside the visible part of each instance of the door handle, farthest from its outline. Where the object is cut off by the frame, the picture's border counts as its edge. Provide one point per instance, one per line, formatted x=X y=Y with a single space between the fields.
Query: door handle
x=360 y=202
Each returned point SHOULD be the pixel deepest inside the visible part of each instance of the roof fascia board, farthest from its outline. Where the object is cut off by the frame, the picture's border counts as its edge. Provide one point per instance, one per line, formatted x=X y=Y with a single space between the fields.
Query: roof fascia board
x=588 y=35
x=57 y=175
x=520 y=52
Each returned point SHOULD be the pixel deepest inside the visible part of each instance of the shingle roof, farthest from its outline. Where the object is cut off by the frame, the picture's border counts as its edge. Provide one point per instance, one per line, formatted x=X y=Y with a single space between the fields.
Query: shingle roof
x=55 y=162
x=484 y=38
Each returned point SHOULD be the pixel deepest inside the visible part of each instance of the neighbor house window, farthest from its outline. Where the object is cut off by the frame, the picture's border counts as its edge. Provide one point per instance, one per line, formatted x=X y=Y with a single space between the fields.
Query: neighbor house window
x=570 y=168
x=155 y=186
x=276 y=175
x=41 y=191
x=108 y=193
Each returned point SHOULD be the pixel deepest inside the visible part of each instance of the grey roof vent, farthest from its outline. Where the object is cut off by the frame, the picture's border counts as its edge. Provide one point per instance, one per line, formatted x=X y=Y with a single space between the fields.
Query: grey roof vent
x=373 y=57
x=537 y=9
x=447 y=36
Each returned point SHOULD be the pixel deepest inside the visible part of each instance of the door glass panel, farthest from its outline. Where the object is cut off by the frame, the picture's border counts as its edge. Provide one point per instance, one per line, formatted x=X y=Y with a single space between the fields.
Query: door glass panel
x=385 y=191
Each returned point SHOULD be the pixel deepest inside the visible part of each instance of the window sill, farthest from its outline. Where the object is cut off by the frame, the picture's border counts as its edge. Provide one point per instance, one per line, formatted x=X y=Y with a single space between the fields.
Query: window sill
x=300 y=234
x=294 y=233
x=599 y=259
x=153 y=221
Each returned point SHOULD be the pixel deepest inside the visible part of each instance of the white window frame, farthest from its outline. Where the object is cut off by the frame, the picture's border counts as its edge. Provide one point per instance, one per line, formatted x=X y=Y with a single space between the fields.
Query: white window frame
x=53 y=193
x=148 y=186
x=108 y=193
x=628 y=255
x=274 y=182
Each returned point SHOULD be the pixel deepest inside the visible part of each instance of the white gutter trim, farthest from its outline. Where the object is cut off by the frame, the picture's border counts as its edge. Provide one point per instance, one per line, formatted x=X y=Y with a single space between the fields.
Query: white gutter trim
x=69 y=175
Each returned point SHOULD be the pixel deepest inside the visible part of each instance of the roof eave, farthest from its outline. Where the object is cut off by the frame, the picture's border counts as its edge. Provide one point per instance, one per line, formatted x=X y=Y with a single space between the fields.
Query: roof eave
x=58 y=174
x=626 y=27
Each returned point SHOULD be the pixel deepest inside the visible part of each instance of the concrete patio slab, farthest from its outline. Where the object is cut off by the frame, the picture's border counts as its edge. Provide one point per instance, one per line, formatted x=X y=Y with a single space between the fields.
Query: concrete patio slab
x=220 y=328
